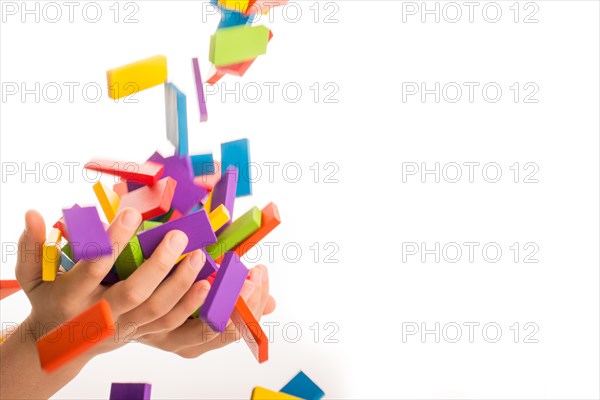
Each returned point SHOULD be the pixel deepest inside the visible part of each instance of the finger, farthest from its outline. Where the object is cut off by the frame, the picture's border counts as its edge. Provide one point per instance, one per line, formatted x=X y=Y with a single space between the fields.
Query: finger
x=253 y=300
x=270 y=306
x=133 y=291
x=29 y=263
x=169 y=292
x=264 y=292
x=85 y=276
x=188 y=304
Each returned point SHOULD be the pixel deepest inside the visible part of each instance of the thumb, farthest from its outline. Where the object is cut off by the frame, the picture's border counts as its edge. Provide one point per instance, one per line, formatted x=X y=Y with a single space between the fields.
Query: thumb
x=29 y=263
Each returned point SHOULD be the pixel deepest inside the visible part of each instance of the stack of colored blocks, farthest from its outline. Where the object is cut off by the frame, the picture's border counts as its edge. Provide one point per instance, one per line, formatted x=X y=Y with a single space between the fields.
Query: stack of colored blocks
x=300 y=387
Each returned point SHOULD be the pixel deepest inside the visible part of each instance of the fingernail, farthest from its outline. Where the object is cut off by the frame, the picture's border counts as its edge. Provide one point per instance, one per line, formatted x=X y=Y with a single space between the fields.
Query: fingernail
x=177 y=240
x=196 y=260
x=132 y=219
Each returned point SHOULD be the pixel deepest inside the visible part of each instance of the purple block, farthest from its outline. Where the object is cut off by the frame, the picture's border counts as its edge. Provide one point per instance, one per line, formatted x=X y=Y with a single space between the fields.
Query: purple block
x=225 y=192
x=111 y=278
x=130 y=391
x=210 y=267
x=200 y=91
x=89 y=239
x=187 y=193
x=196 y=226
x=224 y=292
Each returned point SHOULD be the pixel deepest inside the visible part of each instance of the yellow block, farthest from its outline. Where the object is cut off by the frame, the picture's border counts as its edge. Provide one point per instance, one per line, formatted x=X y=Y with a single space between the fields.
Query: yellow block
x=135 y=77
x=51 y=255
x=109 y=200
x=219 y=217
x=235 y=5
x=208 y=203
x=265 y=394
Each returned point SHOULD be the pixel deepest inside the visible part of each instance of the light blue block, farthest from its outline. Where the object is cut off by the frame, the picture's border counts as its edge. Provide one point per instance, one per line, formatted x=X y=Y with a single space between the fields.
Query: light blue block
x=231 y=18
x=237 y=153
x=203 y=164
x=303 y=387
x=66 y=262
x=177 y=127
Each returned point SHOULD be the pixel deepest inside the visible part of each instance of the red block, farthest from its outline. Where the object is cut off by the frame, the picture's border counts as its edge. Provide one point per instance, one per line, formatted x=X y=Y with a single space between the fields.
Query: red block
x=151 y=201
x=147 y=173
x=8 y=287
x=120 y=188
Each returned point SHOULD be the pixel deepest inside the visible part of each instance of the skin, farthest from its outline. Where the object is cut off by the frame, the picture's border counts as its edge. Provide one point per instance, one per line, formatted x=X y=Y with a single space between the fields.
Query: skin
x=145 y=309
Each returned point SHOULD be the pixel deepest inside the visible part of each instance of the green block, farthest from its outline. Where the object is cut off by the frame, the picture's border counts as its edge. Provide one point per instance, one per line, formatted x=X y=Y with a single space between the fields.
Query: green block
x=130 y=258
x=147 y=225
x=239 y=43
x=67 y=250
x=236 y=233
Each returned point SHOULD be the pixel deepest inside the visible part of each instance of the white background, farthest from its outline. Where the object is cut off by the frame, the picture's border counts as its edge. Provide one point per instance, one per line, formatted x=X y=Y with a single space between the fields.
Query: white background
x=370 y=294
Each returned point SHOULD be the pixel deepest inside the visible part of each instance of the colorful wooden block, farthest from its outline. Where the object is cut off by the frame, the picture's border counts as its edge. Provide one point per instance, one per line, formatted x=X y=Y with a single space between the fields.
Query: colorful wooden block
x=130 y=259
x=151 y=201
x=224 y=193
x=110 y=278
x=196 y=226
x=235 y=5
x=187 y=194
x=8 y=287
x=264 y=6
x=219 y=217
x=209 y=268
x=108 y=199
x=302 y=386
x=203 y=164
x=209 y=181
x=200 y=91
x=270 y=219
x=223 y=293
x=62 y=227
x=260 y=393
x=237 y=44
x=208 y=204
x=236 y=233
x=216 y=77
x=176 y=111
x=51 y=255
x=89 y=240
x=147 y=173
x=250 y=330
x=130 y=391
x=237 y=153
x=120 y=188
x=135 y=77
x=76 y=336
x=231 y=18
x=66 y=262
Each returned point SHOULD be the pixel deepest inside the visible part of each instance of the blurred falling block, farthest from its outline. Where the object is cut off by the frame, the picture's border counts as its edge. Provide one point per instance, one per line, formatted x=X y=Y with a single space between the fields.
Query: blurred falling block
x=176 y=117
x=237 y=44
x=263 y=6
x=208 y=204
x=236 y=233
x=151 y=201
x=130 y=259
x=235 y=5
x=89 y=239
x=215 y=77
x=237 y=69
x=51 y=255
x=147 y=173
x=62 y=227
x=218 y=217
x=231 y=18
x=250 y=330
x=76 y=336
x=8 y=287
x=196 y=226
x=270 y=219
x=203 y=164
x=224 y=193
x=209 y=181
x=130 y=391
x=200 y=91
x=302 y=386
x=260 y=393
x=108 y=199
x=66 y=262
x=135 y=77
x=120 y=188
x=223 y=293
x=237 y=153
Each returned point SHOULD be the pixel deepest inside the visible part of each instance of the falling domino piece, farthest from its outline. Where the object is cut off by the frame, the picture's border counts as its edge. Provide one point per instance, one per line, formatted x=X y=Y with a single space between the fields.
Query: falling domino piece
x=200 y=91
x=209 y=181
x=260 y=393
x=135 y=77
x=151 y=201
x=62 y=227
x=302 y=386
x=66 y=262
x=207 y=206
x=237 y=153
x=224 y=192
x=8 y=287
x=130 y=259
x=223 y=293
x=120 y=188
x=196 y=226
x=74 y=337
x=238 y=69
x=203 y=164
x=51 y=255
x=236 y=233
x=235 y=5
x=238 y=44
x=219 y=217
x=209 y=268
x=87 y=233
x=176 y=111
x=250 y=330
x=108 y=199
x=270 y=219
x=147 y=173
x=263 y=6
x=130 y=391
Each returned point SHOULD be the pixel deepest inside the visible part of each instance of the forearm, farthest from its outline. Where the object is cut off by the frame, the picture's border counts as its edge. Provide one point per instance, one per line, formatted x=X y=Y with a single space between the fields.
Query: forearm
x=21 y=375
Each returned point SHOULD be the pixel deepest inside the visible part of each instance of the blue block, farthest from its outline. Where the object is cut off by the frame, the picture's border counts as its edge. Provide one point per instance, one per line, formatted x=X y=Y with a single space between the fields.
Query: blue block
x=231 y=18
x=203 y=164
x=237 y=153
x=177 y=127
x=302 y=386
x=66 y=262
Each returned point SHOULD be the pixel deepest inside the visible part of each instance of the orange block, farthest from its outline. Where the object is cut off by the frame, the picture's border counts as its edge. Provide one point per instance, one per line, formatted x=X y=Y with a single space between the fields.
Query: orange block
x=251 y=331
x=76 y=336
x=8 y=287
x=269 y=221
